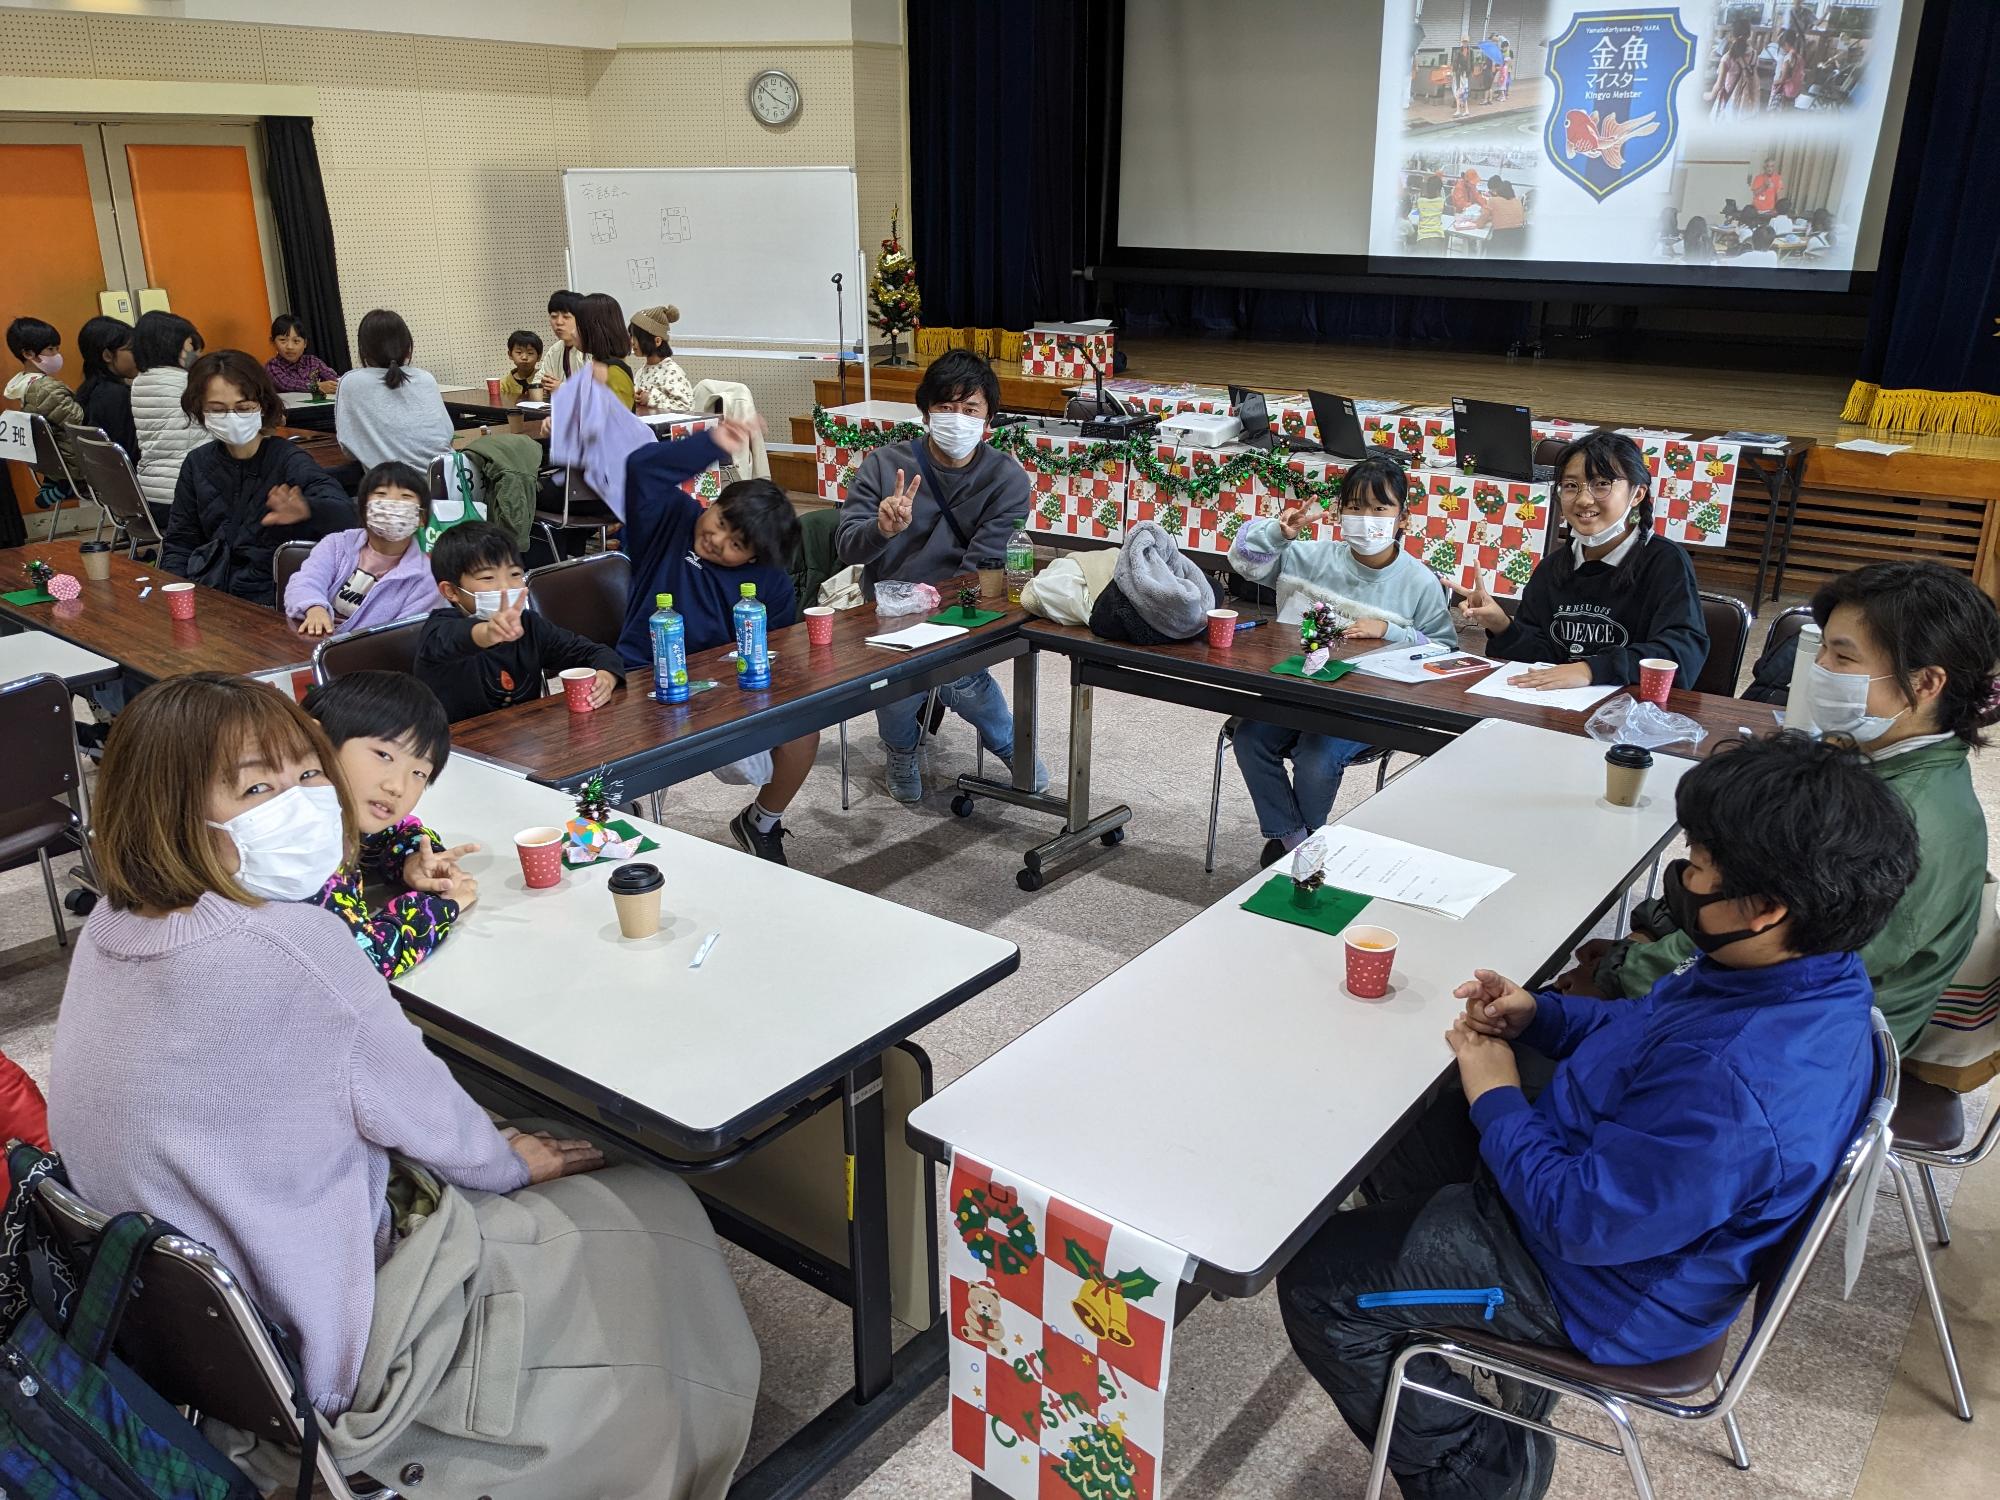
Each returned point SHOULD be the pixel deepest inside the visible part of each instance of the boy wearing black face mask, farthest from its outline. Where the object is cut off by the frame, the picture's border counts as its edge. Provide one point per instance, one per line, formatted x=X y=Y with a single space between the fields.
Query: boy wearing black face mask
x=1629 y=1210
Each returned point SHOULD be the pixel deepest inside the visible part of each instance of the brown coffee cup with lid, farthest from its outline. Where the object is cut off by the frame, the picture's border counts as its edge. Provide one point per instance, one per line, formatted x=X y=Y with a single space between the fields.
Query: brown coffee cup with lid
x=636 y=890
x=1625 y=768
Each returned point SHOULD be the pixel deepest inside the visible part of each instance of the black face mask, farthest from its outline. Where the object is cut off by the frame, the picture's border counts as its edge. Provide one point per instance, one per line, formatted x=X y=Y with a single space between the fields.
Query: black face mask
x=1686 y=907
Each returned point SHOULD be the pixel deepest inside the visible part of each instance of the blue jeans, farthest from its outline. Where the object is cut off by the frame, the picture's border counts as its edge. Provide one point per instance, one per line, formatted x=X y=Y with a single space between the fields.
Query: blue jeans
x=1298 y=803
x=976 y=699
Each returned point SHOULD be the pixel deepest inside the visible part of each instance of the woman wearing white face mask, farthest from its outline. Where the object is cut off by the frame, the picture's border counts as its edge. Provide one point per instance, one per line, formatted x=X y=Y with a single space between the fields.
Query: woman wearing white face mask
x=1613 y=596
x=227 y=1059
x=1367 y=578
x=249 y=490
x=369 y=576
x=1906 y=671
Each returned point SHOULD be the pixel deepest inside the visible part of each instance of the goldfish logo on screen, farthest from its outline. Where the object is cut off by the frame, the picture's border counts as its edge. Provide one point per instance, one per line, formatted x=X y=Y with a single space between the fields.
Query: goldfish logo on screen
x=1614 y=113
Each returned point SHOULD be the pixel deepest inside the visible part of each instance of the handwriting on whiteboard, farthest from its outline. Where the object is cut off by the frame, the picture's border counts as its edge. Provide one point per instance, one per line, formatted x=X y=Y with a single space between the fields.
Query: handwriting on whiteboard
x=600 y=192
x=674 y=226
x=644 y=273
x=603 y=227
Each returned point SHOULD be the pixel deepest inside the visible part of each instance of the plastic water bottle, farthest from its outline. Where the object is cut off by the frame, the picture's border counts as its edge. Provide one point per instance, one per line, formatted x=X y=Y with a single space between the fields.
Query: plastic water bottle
x=1020 y=561
x=1798 y=700
x=670 y=651
x=753 y=652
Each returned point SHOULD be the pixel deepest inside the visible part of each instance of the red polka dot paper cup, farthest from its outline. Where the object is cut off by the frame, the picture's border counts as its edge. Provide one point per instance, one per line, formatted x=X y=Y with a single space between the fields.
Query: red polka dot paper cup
x=1656 y=679
x=819 y=625
x=180 y=600
x=541 y=856
x=1371 y=954
x=577 y=683
x=1221 y=629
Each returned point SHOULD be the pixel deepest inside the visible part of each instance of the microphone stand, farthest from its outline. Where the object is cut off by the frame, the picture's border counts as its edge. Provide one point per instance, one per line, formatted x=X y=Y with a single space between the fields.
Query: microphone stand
x=840 y=314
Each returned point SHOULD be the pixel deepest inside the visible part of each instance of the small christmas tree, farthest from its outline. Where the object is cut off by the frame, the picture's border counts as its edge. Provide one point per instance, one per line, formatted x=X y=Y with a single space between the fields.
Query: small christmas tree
x=968 y=602
x=593 y=802
x=893 y=291
x=1096 y=1464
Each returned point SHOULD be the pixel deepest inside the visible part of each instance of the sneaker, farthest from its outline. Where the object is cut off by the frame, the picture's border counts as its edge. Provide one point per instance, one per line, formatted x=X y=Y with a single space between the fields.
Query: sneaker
x=764 y=845
x=1274 y=850
x=1041 y=771
x=906 y=777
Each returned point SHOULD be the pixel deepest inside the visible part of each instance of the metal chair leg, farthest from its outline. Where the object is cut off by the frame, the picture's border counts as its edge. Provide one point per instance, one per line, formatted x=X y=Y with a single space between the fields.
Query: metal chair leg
x=1222 y=742
x=1628 y=1443
x=55 y=900
x=1652 y=879
x=1382 y=773
x=1934 y=1203
x=1739 y=1454
x=843 y=765
x=1378 y=1468
x=1901 y=1175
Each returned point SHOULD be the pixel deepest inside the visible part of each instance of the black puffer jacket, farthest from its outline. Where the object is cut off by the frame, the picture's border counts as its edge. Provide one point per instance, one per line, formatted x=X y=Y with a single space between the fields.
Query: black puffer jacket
x=221 y=496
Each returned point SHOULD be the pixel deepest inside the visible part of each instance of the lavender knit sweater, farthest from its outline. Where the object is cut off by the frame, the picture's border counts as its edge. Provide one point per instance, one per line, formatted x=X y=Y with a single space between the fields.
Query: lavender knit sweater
x=242 y=1073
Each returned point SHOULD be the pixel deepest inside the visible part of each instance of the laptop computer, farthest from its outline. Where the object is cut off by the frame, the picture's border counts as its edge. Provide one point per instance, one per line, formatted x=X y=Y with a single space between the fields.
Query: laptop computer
x=1340 y=434
x=1497 y=438
x=1254 y=412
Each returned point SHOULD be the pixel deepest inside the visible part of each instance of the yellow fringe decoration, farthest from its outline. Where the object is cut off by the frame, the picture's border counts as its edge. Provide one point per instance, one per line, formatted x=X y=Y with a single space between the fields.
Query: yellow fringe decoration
x=1974 y=413
x=994 y=343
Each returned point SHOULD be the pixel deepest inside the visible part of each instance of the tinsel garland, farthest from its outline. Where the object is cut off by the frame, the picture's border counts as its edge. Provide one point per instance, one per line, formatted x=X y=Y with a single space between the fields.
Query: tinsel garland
x=856 y=439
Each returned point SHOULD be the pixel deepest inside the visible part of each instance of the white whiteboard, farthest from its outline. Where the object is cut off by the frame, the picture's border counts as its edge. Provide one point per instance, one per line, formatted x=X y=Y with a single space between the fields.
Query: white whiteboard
x=748 y=254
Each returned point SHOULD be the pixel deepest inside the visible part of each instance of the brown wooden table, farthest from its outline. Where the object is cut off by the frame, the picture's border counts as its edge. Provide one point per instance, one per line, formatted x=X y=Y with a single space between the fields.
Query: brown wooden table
x=225 y=635
x=1420 y=718
x=644 y=746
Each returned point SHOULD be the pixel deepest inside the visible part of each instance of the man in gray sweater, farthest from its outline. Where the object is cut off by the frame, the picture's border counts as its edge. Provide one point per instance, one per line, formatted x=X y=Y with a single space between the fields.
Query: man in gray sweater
x=929 y=510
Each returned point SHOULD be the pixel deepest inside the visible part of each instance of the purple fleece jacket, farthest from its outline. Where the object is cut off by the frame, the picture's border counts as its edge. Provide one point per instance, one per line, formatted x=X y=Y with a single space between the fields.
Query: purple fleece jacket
x=405 y=590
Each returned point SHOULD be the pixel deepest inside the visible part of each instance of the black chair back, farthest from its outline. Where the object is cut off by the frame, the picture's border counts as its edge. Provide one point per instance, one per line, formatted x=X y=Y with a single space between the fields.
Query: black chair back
x=384 y=648
x=1728 y=622
x=286 y=561
x=49 y=460
x=107 y=469
x=585 y=594
x=37 y=742
x=1548 y=450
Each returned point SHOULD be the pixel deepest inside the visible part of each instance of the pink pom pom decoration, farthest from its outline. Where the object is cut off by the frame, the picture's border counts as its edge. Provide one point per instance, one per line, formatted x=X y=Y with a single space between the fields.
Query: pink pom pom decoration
x=63 y=587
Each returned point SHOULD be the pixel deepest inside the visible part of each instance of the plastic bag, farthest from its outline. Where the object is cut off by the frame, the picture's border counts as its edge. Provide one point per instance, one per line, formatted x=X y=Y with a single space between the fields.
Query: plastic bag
x=1624 y=720
x=906 y=599
x=1060 y=592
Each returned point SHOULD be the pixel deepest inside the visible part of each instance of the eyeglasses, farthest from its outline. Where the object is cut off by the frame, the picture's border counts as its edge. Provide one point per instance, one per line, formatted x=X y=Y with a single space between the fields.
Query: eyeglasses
x=1600 y=489
x=245 y=408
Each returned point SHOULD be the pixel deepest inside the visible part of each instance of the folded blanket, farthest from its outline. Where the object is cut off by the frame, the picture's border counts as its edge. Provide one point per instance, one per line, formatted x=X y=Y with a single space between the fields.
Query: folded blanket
x=1156 y=594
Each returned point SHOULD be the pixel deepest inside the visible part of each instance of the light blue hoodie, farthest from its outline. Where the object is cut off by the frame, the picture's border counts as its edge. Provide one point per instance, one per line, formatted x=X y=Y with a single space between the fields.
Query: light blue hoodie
x=1406 y=595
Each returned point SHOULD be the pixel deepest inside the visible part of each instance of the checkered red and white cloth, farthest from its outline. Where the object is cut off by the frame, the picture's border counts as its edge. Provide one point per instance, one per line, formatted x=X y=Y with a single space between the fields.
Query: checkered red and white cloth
x=706 y=485
x=1066 y=356
x=1062 y=1330
x=1694 y=488
x=834 y=466
x=1464 y=526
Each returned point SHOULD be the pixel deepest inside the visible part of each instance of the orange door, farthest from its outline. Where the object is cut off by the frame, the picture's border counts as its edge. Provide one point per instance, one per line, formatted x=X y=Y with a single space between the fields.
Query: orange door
x=197 y=220
x=51 y=266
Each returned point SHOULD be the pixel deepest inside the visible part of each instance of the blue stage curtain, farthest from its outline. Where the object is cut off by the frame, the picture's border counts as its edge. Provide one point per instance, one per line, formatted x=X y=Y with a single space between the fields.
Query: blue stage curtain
x=1013 y=155
x=1931 y=362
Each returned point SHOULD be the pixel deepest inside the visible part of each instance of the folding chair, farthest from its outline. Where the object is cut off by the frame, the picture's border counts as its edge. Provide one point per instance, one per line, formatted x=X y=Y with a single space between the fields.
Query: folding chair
x=286 y=561
x=1690 y=1387
x=38 y=810
x=53 y=469
x=381 y=648
x=115 y=486
x=1374 y=755
x=582 y=510
x=588 y=595
x=192 y=1333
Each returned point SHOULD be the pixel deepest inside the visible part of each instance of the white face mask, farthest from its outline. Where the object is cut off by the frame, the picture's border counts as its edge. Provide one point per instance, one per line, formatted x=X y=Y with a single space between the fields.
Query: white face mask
x=51 y=363
x=392 y=520
x=287 y=847
x=486 y=603
x=955 y=433
x=1840 y=704
x=237 y=427
x=1367 y=534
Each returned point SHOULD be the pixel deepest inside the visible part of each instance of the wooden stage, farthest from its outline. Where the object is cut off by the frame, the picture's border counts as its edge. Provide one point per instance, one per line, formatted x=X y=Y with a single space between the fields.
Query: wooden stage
x=1940 y=499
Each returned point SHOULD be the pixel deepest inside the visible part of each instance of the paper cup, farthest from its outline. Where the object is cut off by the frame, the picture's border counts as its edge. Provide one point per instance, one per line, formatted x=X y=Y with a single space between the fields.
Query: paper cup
x=635 y=891
x=541 y=856
x=493 y=391
x=1656 y=679
x=1371 y=954
x=819 y=625
x=1221 y=629
x=180 y=600
x=576 y=684
x=1625 y=768
x=96 y=560
x=992 y=578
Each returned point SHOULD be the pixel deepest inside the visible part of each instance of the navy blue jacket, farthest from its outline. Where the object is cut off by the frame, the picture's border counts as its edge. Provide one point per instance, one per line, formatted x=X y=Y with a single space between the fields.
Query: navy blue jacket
x=1681 y=1137
x=659 y=538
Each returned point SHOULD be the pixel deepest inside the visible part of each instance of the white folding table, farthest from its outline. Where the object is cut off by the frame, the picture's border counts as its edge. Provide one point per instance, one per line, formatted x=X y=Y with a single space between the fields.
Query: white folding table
x=1252 y=1093
x=29 y=652
x=808 y=984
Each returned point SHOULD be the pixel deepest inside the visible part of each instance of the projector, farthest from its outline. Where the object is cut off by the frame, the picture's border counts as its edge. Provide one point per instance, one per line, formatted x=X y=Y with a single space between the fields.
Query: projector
x=1201 y=429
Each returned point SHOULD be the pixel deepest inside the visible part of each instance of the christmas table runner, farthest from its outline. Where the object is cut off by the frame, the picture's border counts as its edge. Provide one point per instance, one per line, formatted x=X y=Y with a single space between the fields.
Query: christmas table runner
x=1062 y=1329
x=1694 y=488
x=1471 y=526
x=1068 y=353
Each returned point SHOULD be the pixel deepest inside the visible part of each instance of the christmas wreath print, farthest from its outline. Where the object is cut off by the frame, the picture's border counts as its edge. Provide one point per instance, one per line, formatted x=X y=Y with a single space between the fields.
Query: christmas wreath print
x=1007 y=1251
